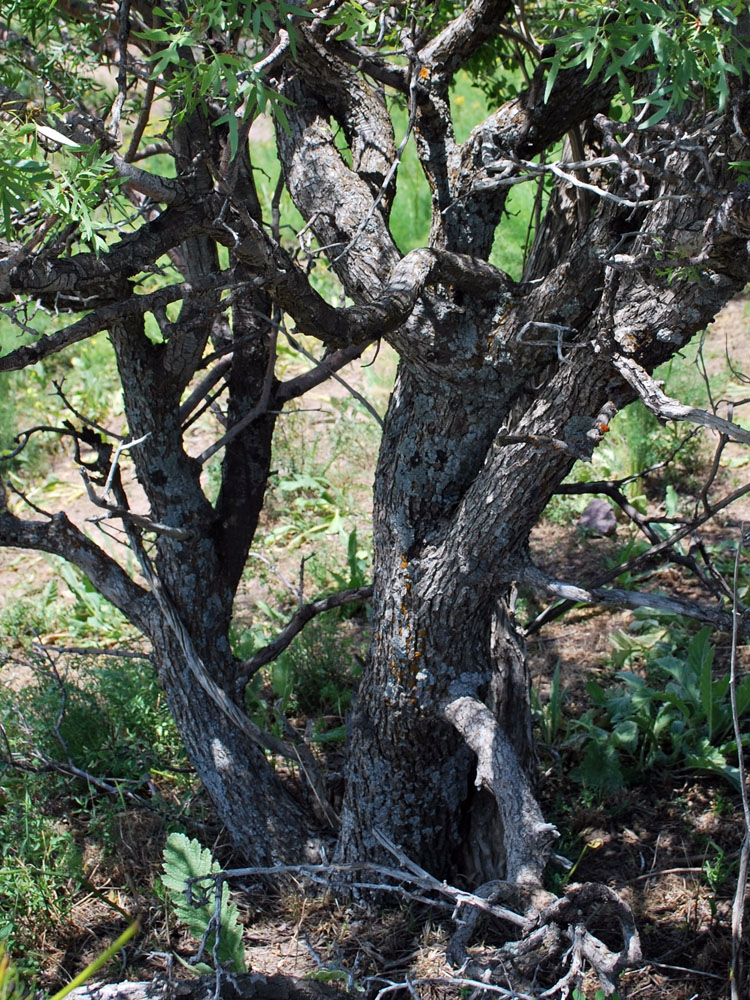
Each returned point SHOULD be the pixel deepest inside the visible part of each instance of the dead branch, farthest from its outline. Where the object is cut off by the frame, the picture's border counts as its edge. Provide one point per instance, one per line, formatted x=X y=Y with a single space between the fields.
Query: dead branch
x=541 y=929
x=615 y=598
x=528 y=839
x=556 y=610
x=251 y=985
x=144 y=523
x=666 y=408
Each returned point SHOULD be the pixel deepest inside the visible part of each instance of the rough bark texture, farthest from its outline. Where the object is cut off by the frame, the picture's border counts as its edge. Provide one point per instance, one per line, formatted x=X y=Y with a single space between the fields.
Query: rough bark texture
x=502 y=384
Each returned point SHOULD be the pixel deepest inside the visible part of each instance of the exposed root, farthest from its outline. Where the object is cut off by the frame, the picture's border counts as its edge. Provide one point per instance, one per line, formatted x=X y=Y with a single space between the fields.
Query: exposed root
x=559 y=936
x=541 y=944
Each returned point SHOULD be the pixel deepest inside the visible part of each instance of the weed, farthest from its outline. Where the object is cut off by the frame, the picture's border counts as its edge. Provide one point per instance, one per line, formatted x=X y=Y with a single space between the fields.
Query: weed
x=315 y=677
x=599 y=995
x=91 y=614
x=314 y=507
x=40 y=867
x=24 y=618
x=549 y=715
x=631 y=549
x=112 y=722
x=11 y=986
x=109 y=722
x=202 y=903
x=678 y=717
x=716 y=869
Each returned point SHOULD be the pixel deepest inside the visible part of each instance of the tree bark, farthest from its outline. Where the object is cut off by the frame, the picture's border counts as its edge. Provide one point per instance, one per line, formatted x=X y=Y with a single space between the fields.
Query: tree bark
x=502 y=385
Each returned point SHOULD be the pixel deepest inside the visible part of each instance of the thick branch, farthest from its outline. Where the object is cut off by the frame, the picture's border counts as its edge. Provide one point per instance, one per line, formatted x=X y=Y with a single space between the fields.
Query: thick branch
x=102 y=318
x=331 y=195
x=298 y=752
x=359 y=107
x=362 y=323
x=372 y=64
x=105 y=275
x=160 y=189
x=616 y=598
x=62 y=538
x=666 y=408
x=458 y=41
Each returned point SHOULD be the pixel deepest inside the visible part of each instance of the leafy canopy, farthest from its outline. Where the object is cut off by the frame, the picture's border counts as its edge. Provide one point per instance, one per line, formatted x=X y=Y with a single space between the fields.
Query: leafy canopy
x=688 y=50
x=215 y=54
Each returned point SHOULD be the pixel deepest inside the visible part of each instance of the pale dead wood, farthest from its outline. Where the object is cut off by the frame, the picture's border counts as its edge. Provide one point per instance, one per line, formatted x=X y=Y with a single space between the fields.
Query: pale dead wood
x=667 y=408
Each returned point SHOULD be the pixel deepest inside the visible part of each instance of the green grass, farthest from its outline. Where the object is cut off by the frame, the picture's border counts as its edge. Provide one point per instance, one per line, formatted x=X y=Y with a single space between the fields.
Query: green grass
x=108 y=718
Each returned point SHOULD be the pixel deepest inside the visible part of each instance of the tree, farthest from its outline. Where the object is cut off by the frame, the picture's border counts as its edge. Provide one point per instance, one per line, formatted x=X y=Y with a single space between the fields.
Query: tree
x=631 y=120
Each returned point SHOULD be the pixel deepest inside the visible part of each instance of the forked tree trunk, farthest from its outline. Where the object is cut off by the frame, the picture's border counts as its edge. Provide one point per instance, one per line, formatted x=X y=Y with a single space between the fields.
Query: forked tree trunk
x=502 y=385
x=442 y=632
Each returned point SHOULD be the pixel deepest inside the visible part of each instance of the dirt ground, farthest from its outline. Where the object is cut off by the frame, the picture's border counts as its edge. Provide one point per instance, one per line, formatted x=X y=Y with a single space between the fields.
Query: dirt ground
x=653 y=846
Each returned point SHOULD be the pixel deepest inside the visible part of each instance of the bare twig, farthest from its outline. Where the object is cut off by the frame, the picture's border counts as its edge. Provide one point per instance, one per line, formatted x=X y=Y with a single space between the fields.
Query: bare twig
x=349 y=388
x=564 y=915
x=144 y=523
x=248 y=668
x=682 y=968
x=84 y=419
x=323 y=370
x=556 y=610
x=115 y=788
x=129 y=654
x=478 y=985
x=121 y=447
x=25 y=436
x=140 y=126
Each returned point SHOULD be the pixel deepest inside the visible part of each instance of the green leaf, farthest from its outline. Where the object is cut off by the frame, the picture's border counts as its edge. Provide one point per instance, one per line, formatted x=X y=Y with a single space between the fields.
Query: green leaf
x=552 y=73
x=185 y=859
x=625 y=735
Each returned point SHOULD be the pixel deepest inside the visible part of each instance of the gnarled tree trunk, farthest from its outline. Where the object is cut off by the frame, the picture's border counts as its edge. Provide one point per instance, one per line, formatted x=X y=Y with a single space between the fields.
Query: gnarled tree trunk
x=502 y=384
